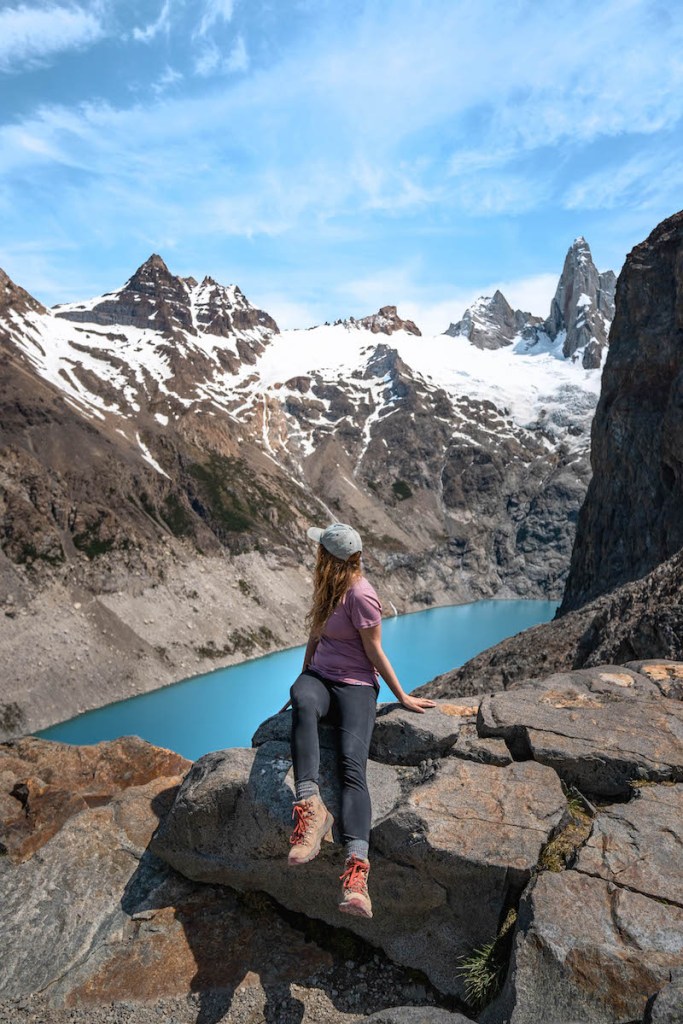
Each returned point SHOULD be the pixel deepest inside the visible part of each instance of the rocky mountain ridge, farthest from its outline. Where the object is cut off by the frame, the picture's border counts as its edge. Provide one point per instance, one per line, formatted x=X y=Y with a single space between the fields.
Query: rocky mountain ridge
x=580 y=315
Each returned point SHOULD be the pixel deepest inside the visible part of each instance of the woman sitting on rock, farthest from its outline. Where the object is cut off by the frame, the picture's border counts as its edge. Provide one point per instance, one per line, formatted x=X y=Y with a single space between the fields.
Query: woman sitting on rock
x=340 y=679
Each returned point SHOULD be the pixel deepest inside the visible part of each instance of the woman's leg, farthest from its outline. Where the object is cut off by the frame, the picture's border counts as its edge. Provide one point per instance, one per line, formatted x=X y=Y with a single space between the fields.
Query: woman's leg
x=355 y=708
x=310 y=702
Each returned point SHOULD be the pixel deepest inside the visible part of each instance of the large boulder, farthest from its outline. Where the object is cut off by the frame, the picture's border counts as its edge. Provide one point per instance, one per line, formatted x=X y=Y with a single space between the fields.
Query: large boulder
x=89 y=919
x=399 y=737
x=638 y=844
x=449 y=856
x=600 y=732
x=587 y=949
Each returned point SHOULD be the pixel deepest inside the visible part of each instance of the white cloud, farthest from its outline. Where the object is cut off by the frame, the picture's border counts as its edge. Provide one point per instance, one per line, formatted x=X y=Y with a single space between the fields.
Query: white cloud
x=30 y=35
x=637 y=183
x=214 y=12
x=155 y=28
x=434 y=309
x=168 y=78
x=238 y=58
x=211 y=61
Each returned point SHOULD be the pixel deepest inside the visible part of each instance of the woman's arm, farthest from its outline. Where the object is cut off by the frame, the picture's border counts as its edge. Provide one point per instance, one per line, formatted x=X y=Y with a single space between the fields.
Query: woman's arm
x=308 y=658
x=310 y=651
x=372 y=644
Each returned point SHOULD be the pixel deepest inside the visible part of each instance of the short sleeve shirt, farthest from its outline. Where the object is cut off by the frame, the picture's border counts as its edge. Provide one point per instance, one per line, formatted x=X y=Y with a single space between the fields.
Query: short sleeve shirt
x=340 y=654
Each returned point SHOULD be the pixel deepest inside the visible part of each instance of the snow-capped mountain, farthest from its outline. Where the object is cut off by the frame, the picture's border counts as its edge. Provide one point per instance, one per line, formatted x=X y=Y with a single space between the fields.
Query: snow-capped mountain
x=577 y=326
x=463 y=456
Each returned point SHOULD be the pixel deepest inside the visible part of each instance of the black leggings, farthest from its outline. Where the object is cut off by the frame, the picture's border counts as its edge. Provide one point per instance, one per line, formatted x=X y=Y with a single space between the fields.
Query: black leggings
x=352 y=709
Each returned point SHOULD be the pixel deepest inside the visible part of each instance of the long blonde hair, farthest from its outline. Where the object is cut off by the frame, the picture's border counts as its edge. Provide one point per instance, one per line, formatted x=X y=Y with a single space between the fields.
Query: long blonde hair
x=331 y=579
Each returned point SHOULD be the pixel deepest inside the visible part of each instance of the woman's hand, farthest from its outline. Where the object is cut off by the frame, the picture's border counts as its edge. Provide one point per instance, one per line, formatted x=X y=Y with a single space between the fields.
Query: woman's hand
x=417 y=704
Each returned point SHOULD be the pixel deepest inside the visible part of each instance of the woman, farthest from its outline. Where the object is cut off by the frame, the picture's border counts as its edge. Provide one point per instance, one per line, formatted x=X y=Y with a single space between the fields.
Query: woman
x=340 y=679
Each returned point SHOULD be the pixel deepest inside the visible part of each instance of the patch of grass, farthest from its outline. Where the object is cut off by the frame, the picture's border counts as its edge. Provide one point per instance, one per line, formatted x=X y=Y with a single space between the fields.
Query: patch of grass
x=28 y=552
x=483 y=970
x=217 y=479
x=176 y=516
x=91 y=544
x=559 y=852
x=401 y=490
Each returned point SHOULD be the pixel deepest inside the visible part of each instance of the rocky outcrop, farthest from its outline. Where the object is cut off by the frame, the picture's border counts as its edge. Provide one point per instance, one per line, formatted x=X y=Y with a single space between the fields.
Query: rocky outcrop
x=641 y=621
x=387 y=321
x=437 y=846
x=601 y=730
x=149 y=874
x=582 y=308
x=492 y=323
x=94 y=928
x=597 y=928
x=631 y=519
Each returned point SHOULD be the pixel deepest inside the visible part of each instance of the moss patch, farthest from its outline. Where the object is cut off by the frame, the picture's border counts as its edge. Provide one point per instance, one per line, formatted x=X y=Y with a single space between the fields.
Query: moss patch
x=559 y=853
x=401 y=490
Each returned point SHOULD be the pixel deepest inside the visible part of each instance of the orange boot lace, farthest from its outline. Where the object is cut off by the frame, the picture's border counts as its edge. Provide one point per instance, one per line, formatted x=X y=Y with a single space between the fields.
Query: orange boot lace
x=355 y=877
x=303 y=813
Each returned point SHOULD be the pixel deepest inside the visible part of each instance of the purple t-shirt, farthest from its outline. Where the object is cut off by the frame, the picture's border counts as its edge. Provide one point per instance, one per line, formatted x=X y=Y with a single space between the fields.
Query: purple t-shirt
x=340 y=655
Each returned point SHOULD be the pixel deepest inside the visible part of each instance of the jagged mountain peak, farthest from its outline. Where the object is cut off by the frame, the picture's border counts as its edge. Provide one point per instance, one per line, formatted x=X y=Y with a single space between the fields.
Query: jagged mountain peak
x=580 y=315
x=582 y=308
x=491 y=322
x=155 y=299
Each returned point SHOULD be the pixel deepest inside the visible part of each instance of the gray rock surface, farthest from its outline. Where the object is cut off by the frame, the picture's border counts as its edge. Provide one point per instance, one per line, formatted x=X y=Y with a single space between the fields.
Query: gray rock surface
x=666 y=1007
x=474 y=747
x=402 y=737
x=470 y=829
x=637 y=844
x=599 y=739
x=586 y=949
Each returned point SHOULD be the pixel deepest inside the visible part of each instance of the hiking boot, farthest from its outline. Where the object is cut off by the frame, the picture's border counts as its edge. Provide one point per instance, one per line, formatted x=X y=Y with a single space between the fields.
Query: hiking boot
x=313 y=823
x=355 y=898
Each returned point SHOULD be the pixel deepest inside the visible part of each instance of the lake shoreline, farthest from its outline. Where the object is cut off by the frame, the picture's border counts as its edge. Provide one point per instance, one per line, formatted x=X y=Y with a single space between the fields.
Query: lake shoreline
x=223 y=707
x=67 y=651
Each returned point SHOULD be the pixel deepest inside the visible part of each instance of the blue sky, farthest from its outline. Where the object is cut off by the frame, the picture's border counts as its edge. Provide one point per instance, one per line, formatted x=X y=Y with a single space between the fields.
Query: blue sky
x=331 y=157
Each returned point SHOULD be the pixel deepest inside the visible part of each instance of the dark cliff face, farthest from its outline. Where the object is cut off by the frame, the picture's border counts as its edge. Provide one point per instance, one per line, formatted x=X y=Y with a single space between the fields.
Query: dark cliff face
x=632 y=518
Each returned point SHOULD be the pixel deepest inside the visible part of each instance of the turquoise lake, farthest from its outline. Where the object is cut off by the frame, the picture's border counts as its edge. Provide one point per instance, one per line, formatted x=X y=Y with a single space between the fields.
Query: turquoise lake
x=223 y=708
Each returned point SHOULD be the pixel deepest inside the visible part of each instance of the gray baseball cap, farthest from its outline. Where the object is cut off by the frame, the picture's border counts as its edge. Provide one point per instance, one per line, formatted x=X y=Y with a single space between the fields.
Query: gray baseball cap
x=339 y=539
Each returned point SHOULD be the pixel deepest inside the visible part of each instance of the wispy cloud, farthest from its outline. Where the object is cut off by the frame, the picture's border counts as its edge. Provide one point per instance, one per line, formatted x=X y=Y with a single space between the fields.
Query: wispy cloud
x=636 y=183
x=160 y=25
x=345 y=137
x=215 y=11
x=169 y=77
x=211 y=60
x=29 y=36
